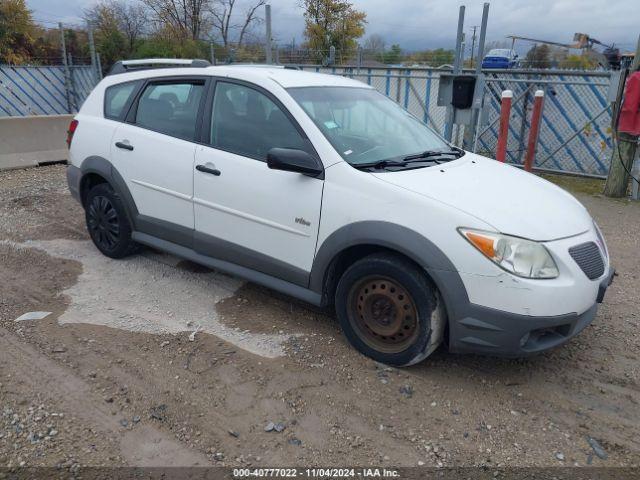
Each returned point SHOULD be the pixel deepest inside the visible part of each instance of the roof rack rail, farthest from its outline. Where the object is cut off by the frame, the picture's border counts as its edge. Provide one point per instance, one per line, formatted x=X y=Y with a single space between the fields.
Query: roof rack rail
x=124 y=66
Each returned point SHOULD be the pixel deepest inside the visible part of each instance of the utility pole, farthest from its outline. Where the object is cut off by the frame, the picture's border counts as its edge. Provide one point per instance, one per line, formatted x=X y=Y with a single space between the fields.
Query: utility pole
x=450 y=112
x=67 y=71
x=470 y=130
x=473 y=43
x=267 y=17
x=624 y=150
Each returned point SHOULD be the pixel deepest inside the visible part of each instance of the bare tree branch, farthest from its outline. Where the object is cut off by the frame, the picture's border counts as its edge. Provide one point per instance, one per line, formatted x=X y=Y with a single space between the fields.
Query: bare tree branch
x=250 y=18
x=224 y=19
x=186 y=18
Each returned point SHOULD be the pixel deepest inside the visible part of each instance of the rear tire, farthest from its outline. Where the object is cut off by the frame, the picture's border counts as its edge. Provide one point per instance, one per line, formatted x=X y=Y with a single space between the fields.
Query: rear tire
x=108 y=223
x=386 y=306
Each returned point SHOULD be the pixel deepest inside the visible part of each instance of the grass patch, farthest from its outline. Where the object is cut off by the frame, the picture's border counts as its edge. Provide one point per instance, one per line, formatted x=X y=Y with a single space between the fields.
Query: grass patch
x=588 y=186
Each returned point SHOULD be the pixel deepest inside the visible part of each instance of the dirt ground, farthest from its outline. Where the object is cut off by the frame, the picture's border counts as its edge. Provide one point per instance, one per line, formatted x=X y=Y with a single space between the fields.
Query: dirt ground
x=111 y=377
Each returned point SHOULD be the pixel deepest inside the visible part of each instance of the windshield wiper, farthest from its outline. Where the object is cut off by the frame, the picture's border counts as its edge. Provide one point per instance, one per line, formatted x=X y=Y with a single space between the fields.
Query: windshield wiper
x=380 y=164
x=428 y=156
x=456 y=152
x=392 y=163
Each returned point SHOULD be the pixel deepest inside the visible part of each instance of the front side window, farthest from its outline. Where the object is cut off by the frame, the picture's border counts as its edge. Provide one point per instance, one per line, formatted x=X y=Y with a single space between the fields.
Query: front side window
x=247 y=122
x=365 y=126
x=116 y=97
x=170 y=108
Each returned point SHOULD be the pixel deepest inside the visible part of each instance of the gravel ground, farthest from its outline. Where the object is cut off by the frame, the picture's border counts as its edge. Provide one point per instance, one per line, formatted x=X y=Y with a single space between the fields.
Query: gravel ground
x=111 y=376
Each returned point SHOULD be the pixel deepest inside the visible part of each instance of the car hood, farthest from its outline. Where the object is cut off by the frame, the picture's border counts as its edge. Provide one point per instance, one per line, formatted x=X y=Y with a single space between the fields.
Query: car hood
x=509 y=199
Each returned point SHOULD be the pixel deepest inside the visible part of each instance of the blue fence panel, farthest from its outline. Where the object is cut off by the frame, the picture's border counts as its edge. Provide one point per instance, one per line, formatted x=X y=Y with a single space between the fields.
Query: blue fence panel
x=32 y=90
x=574 y=102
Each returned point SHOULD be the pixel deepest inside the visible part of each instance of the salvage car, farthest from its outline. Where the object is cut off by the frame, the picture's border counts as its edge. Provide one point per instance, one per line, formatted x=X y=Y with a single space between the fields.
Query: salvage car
x=500 y=58
x=319 y=187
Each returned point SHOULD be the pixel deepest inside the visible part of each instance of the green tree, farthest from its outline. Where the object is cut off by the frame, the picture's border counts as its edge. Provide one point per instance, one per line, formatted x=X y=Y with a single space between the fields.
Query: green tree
x=161 y=45
x=332 y=23
x=582 y=62
x=393 y=55
x=433 y=58
x=111 y=42
x=16 y=32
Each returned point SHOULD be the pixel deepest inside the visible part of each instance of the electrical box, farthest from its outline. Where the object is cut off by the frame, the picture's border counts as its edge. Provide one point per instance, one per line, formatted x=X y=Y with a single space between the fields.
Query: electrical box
x=463 y=91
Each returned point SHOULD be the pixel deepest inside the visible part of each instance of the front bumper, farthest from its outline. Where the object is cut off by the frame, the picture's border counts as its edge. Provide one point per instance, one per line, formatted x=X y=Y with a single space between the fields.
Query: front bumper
x=499 y=333
x=604 y=284
x=483 y=330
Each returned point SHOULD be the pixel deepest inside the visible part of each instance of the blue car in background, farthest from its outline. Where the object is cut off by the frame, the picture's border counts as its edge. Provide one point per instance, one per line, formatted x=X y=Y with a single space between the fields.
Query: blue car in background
x=500 y=58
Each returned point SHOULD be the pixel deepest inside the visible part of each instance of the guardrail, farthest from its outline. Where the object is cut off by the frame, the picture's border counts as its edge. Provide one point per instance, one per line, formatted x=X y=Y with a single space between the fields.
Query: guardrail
x=31 y=141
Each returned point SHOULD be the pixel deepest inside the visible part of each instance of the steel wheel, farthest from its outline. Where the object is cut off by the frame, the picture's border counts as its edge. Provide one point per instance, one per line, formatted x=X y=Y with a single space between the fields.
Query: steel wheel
x=103 y=222
x=383 y=313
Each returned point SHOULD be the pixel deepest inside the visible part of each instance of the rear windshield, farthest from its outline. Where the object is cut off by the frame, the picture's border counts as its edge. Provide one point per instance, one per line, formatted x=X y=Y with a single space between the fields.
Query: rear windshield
x=499 y=52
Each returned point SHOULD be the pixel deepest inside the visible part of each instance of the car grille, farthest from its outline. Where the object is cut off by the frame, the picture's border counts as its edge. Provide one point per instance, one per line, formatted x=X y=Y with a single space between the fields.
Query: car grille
x=589 y=259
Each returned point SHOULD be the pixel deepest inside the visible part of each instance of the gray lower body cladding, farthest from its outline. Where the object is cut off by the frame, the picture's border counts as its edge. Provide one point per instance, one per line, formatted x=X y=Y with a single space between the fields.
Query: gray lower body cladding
x=74 y=176
x=483 y=330
x=494 y=332
x=472 y=328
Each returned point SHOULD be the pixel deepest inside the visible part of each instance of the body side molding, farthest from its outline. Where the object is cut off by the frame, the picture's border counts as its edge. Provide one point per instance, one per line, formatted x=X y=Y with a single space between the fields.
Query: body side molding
x=251 y=275
x=230 y=252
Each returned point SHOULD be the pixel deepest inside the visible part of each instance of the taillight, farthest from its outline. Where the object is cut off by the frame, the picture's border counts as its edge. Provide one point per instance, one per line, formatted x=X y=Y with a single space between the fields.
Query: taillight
x=73 y=126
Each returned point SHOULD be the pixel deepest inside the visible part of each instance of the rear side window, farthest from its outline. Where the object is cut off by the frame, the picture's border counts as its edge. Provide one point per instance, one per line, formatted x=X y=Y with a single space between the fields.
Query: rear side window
x=170 y=108
x=116 y=97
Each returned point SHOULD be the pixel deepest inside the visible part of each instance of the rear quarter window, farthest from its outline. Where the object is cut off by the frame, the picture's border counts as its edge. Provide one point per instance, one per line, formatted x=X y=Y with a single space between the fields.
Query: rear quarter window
x=116 y=98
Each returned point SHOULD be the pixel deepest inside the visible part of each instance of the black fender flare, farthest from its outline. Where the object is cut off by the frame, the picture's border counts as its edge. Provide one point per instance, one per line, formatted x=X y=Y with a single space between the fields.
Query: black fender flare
x=104 y=168
x=402 y=240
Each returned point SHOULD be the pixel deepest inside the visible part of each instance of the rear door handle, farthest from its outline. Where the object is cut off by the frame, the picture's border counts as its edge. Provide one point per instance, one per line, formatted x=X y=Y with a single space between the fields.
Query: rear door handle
x=204 y=169
x=124 y=146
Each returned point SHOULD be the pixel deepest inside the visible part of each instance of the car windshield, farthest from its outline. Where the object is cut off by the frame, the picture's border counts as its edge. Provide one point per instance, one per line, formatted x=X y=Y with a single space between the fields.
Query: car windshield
x=364 y=126
x=499 y=52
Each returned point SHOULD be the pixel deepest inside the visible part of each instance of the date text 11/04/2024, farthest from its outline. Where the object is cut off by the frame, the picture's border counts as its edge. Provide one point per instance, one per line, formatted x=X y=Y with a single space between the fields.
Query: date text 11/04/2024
x=315 y=473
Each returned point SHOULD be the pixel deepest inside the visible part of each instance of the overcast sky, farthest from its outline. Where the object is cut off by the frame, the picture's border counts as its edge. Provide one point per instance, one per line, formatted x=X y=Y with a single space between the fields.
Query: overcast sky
x=422 y=24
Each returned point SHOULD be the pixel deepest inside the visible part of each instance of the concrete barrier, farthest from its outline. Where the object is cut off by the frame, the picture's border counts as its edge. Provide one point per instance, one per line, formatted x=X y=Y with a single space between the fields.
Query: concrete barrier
x=30 y=141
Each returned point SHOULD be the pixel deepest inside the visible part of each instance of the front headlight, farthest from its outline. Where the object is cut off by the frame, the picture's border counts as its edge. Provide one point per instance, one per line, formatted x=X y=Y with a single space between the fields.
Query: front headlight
x=524 y=258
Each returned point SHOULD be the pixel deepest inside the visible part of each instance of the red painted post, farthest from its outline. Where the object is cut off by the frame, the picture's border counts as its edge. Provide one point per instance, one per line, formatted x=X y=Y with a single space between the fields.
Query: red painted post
x=536 y=116
x=503 y=133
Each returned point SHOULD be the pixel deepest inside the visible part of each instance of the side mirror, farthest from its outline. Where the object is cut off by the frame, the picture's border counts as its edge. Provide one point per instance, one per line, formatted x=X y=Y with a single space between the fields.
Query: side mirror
x=292 y=160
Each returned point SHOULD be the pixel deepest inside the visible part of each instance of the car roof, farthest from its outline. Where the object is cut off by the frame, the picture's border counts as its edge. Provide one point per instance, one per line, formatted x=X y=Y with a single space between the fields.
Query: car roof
x=259 y=74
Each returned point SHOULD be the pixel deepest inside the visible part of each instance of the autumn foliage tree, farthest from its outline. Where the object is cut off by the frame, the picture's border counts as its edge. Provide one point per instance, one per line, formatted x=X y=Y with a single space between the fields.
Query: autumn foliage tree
x=17 y=31
x=332 y=23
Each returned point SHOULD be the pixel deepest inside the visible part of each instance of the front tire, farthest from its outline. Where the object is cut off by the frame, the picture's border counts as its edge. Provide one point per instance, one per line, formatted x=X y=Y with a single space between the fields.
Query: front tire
x=107 y=222
x=389 y=310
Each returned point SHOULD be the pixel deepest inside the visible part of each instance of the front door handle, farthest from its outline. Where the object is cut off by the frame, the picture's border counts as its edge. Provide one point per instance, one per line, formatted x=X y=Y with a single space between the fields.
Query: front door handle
x=124 y=146
x=204 y=169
